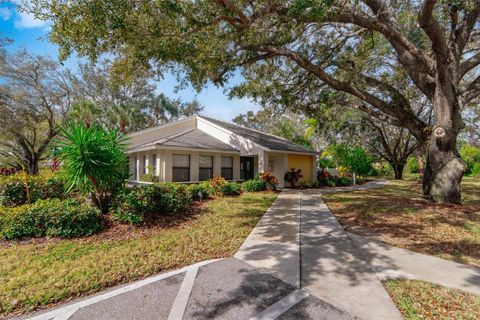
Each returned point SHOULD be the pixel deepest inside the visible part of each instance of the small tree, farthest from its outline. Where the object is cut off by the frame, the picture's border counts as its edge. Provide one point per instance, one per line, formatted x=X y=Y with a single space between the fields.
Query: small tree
x=356 y=159
x=94 y=161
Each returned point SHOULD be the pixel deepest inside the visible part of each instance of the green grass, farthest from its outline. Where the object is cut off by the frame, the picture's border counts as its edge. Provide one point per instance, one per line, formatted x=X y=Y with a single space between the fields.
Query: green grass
x=34 y=275
x=419 y=300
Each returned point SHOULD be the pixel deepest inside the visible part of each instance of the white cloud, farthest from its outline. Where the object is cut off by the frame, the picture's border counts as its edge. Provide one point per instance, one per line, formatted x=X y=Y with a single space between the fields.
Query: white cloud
x=26 y=20
x=5 y=14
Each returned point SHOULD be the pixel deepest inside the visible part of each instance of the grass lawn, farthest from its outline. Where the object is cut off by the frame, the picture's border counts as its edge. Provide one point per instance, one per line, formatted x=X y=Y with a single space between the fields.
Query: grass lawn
x=420 y=300
x=397 y=214
x=40 y=273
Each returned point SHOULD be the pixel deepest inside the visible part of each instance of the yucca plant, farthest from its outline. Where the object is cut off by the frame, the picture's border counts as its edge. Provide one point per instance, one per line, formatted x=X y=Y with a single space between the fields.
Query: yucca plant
x=94 y=161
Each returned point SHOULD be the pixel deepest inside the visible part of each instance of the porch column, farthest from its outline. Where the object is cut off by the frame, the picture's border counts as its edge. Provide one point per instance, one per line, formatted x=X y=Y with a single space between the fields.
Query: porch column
x=262 y=161
x=138 y=159
x=194 y=166
x=168 y=165
x=236 y=167
x=217 y=165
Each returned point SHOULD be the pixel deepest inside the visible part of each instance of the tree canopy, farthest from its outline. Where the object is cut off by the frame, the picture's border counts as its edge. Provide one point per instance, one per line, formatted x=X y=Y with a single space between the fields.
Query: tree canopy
x=353 y=47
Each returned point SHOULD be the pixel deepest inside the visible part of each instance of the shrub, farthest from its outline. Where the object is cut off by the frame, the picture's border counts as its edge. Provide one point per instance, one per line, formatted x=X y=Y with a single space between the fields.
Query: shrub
x=293 y=176
x=471 y=156
x=132 y=204
x=308 y=184
x=476 y=170
x=202 y=190
x=270 y=180
x=254 y=186
x=8 y=171
x=217 y=183
x=149 y=177
x=13 y=192
x=343 y=181
x=94 y=161
x=231 y=189
x=412 y=165
x=56 y=218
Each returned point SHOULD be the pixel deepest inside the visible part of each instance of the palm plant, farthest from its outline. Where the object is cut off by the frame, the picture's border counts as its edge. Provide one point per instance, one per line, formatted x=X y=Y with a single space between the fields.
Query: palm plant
x=293 y=176
x=94 y=161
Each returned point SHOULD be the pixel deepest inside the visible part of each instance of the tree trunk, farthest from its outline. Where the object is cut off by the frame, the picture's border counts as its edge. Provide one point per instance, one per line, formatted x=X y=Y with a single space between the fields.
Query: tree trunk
x=398 y=170
x=444 y=168
x=419 y=153
x=32 y=164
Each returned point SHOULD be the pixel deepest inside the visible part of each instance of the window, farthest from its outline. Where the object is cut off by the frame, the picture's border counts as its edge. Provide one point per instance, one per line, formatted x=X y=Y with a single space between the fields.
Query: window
x=205 y=164
x=227 y=168
x=154 y=164
x=181 y=168
x=145 y=164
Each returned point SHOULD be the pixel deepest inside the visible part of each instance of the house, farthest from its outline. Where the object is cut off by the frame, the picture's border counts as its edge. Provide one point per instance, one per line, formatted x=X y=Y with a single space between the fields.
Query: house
x=197 y=148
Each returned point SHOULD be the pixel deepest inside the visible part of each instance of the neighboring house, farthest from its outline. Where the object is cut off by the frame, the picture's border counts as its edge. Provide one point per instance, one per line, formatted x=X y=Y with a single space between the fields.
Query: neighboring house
x=198 y=148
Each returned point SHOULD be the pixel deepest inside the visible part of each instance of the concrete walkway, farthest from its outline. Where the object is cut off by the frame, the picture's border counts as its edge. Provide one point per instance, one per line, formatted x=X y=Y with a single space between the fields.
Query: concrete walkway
x=299 y=241
x=391 y=262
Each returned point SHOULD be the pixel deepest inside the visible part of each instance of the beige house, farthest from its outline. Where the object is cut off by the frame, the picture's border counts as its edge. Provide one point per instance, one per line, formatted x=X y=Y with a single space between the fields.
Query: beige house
x=198 y=148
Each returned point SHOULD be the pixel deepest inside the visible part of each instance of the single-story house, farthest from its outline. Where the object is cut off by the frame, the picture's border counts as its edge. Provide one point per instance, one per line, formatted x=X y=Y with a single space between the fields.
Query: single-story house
x=197 y=148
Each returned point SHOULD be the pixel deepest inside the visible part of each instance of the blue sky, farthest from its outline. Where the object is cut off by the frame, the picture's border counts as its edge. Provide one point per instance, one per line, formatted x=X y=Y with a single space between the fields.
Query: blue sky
x=27 y=32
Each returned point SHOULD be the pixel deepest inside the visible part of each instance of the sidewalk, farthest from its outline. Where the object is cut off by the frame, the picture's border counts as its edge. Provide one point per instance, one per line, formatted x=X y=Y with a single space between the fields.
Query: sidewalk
x=299 y=241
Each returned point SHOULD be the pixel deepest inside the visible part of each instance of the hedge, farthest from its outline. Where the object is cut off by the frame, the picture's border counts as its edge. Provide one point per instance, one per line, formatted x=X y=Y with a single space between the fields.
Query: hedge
x=133 y=203
x=55 y=218
x=13 y=192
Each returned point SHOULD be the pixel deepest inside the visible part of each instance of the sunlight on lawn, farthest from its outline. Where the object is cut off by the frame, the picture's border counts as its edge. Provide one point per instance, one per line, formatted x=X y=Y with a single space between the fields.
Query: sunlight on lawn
x=33 y=275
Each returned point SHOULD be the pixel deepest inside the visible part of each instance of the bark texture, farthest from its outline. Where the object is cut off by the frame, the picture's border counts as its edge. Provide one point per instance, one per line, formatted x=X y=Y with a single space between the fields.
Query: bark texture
x=444 y=168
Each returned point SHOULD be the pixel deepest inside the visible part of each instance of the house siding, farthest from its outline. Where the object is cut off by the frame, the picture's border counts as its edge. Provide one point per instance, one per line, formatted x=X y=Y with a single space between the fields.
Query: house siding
x=304 y=163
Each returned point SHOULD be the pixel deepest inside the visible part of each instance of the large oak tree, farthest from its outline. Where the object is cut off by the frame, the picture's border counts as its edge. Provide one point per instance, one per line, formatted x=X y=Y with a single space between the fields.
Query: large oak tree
x=434 y=42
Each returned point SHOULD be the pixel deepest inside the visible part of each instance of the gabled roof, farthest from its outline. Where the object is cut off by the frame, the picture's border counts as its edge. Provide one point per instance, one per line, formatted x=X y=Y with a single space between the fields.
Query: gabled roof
x=193 y=138
x=265 y=140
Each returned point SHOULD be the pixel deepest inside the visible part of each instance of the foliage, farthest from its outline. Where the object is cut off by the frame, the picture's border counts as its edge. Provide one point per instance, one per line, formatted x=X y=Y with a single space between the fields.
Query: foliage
x=287 y=125
x=202 y=190
x=54 y=218
x=412 y=164
x=476 y=170
x=255 y=185
x=355 y=159
x=35 y=96
x=94 y=161
x=8 y=171
x=217 y=183
x=132 y=204
x=127 y=103
x=376 y=70
x=56 y=271
x=471 y=155
x=46 y=186
x=149 y=177
x=293 y=176
x=270 y=180
x=231 y=189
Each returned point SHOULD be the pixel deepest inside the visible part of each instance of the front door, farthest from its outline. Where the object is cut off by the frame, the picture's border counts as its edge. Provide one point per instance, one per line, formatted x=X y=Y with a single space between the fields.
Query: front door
x=246 y=168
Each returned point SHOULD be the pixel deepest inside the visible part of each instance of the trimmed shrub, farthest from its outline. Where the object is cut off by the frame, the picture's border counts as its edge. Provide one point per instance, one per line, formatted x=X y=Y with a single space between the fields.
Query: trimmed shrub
x=13 y=192
x=217 y=182
x=201 y=191
x=132 y=204
x=56 y=218
x=254 y=186
x=343 y=181
x=231 y=189
x=270 y=180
